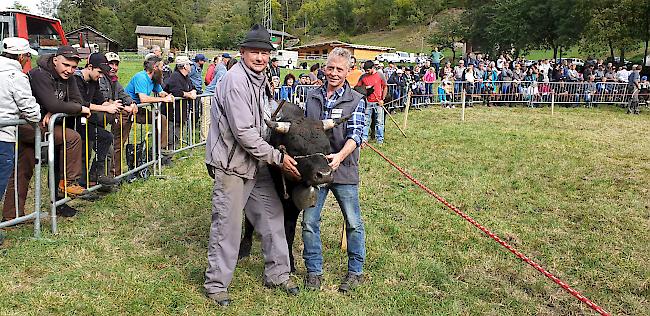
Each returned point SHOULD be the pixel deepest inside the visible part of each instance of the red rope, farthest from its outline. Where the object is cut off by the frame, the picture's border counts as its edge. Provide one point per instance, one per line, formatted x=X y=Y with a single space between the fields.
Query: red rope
x=519 y=255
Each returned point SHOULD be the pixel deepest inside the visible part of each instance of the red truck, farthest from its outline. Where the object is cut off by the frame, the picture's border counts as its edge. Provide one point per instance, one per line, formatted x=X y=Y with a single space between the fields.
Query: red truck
x=44 y=33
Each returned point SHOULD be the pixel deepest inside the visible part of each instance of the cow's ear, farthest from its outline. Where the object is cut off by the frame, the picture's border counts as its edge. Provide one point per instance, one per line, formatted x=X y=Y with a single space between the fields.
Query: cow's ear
x=280 y=127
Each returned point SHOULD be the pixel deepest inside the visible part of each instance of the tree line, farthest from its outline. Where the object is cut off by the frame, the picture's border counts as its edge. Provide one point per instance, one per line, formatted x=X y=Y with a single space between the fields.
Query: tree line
x=487 y=25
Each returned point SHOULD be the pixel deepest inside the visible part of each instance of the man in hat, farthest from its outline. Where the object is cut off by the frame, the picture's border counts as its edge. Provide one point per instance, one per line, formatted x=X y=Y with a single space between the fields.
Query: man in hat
x=93 y=130
x=238 y=156
x=16 y=99
x=180 y=86
x=274 y=68
x=196 y=72
x=54 y=88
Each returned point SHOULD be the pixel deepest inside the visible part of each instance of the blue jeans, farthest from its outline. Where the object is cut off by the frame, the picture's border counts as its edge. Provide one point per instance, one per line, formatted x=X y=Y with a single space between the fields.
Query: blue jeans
x=376 y=112
x=6 y=164
x=347 y=196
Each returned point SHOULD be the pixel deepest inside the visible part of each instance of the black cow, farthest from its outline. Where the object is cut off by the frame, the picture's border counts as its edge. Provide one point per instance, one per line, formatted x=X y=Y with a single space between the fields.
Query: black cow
x=305 y=140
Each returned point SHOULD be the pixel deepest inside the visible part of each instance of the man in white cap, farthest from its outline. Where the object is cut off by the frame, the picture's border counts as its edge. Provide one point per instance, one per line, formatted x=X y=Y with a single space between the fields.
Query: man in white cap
x=179 y=85
x=16 y=100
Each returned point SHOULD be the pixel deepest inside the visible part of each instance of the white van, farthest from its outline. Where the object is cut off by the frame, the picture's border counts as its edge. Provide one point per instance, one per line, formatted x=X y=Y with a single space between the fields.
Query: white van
x=286 y=58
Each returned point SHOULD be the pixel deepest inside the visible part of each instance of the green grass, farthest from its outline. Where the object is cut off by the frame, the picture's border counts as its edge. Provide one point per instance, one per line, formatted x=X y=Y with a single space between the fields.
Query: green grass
x=570 y=191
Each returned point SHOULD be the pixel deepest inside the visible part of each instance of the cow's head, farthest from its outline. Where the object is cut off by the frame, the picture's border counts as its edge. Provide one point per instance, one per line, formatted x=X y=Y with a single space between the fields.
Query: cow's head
x=306 y=140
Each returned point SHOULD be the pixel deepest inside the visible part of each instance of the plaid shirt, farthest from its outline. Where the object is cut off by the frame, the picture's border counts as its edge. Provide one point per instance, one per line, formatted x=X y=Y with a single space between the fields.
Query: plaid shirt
x=355 y=123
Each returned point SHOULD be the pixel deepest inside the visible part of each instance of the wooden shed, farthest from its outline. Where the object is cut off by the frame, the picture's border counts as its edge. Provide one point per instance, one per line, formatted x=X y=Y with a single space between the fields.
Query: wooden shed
x=149 y=36
x=319 y=50
x=87 y=36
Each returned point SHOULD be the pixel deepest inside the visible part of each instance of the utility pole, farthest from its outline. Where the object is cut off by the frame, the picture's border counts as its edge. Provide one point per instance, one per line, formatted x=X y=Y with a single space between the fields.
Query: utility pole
x=267 y=17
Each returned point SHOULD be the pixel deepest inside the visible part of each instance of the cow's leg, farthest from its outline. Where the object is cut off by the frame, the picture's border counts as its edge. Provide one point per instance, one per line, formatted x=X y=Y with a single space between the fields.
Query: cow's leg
x=291 y=213
x=247 y=239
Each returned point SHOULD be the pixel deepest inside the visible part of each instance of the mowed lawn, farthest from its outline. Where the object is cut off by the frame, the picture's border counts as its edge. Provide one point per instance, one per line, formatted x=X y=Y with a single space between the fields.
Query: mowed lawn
x=570 y=191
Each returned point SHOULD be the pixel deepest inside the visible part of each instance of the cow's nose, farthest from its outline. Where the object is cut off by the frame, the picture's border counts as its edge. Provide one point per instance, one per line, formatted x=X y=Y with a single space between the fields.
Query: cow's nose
x=321 y=175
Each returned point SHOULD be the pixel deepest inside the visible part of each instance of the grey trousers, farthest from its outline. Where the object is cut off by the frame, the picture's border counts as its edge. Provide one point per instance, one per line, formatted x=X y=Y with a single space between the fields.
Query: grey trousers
x=259 y=199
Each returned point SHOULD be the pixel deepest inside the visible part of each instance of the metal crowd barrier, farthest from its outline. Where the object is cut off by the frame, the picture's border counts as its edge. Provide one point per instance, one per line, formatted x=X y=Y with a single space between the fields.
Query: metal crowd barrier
x=155 y=133
x=524 y=92
x=21 y=216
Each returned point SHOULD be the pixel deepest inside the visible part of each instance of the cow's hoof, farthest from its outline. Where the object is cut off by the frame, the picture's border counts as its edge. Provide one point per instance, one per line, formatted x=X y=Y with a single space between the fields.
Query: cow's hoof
x=245 y=249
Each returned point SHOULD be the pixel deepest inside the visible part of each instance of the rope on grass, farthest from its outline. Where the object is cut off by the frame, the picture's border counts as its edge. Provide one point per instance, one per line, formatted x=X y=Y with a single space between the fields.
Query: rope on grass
x=496 y=238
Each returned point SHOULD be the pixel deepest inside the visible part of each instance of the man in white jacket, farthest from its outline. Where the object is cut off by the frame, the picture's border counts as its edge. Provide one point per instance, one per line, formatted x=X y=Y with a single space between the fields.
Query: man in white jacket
x=16 y=100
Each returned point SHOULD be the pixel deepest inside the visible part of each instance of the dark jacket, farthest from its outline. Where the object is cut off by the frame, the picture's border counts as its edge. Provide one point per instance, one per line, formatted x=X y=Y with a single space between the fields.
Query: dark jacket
x=176 y=86
x=90 y=93
x=348 y=170
x=54 y=94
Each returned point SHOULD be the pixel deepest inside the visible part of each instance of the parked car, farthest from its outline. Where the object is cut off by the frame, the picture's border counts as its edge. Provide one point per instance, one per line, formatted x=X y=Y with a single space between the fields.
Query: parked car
x=405 y=57
x=576 y=61
x=388 y=57
x=286 y=58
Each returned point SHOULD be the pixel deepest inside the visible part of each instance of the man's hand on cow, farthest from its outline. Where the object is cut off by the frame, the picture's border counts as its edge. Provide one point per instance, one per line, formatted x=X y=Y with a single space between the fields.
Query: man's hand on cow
x=335 y=160
x=289 y=167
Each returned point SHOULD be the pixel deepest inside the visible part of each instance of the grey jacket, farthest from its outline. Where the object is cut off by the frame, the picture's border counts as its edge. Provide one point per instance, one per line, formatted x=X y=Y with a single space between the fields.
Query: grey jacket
x=16 y=99
x=236 y=140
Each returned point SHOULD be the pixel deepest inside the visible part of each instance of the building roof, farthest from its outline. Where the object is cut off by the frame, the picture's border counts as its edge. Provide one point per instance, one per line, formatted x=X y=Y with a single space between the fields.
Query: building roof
x=343 y=44
x=281 y=34
x=92 y=30
x=153 y=30
x=30 y=13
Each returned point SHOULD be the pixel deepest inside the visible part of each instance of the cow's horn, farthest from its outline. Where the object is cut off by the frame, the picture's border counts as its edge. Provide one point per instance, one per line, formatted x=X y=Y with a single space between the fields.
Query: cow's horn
x=331 y=123
x=280 y=127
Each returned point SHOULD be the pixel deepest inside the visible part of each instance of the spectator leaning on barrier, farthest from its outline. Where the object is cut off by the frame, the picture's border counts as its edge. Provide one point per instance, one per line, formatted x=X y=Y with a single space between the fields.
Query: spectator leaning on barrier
x=375 y=106
x=180 y=86
x=92 y=130
x=53 y=85
x=238 y=158
x=146 y=82
x=196 y=72
x=334 y=101
x=120 y=122
x=219 y=71
x=16 y=100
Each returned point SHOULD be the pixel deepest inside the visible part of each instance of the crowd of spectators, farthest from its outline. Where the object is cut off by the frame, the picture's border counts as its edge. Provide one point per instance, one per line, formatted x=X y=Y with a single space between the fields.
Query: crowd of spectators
x=504 y=80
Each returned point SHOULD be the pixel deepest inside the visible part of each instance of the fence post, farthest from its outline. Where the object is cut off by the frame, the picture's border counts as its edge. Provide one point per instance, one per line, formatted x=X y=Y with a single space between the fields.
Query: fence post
x=37 y=181
x=552 y=103
x=406 y=110
x=462 y=112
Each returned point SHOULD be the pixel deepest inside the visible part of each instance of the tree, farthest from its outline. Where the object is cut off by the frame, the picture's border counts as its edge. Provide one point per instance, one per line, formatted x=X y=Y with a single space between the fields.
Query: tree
x=19 y=6
x=610 y=25
x=451 y=29
x=48 y=7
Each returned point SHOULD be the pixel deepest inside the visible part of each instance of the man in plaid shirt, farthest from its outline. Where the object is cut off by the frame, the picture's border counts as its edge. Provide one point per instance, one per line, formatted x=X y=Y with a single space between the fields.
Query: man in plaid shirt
x=337 y=100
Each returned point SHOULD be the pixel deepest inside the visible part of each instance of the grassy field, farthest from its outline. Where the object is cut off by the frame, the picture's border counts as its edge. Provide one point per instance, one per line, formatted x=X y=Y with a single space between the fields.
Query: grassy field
x=570 y=191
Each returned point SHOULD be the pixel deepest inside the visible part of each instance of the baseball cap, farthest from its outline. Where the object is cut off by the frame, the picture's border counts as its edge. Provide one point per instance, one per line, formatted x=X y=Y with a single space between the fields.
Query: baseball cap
x=226 y=55
x=183 y=60
x=149 y=56
x=644 y=78
x=199 y=57
x=111 y=56
x=303 y=75
x=68 y=52
x=368 y=64
x=274 y=59
x=399 y=71
x=100 y=61
x=17 y=46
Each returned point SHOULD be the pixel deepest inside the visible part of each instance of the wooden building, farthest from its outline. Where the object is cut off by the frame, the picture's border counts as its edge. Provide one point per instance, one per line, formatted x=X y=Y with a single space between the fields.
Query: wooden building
x=87 y=36
x=149 y=36
x=319 y=50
